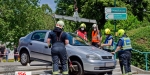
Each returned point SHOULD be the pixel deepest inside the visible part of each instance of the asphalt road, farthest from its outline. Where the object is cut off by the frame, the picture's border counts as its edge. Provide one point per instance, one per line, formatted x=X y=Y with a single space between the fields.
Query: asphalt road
x=37 y=68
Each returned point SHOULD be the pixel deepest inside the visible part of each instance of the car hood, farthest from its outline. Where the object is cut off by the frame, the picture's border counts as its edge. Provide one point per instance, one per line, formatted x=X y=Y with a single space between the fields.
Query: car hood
x=94 y=50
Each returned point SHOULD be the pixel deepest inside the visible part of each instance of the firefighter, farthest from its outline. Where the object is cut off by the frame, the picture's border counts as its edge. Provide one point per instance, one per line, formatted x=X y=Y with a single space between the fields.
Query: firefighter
x=96 y=37
x=108 y=44
x=82 y=32
x=124 y=52
x=58 y=39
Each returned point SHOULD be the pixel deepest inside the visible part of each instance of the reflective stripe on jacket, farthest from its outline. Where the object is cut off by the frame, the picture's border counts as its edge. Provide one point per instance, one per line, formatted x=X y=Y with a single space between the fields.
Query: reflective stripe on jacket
x=107 y=41
x=126 y=43
x=95 y=36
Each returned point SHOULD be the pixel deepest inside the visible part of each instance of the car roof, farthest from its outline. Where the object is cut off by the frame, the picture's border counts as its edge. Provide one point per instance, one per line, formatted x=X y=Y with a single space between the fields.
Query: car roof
x=45 y=31
x=42 y=30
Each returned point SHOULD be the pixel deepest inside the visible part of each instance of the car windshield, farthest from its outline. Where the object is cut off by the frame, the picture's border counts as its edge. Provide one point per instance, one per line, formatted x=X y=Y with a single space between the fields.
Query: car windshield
x=76 y=40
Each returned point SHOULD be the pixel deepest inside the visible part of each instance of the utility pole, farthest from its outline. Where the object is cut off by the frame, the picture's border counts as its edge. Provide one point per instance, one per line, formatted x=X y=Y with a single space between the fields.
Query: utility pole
x=115 y=30
x=115 y=22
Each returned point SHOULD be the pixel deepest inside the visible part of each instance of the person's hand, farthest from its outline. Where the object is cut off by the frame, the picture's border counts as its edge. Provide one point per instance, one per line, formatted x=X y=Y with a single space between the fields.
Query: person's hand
x=49 y=45
x=102 y=45
x=113 y=53
x=99 y=43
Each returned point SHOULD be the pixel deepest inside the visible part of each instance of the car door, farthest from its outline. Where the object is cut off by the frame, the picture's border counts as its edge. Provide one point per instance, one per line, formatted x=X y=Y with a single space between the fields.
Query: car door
x=37 y=45
x=47 y=51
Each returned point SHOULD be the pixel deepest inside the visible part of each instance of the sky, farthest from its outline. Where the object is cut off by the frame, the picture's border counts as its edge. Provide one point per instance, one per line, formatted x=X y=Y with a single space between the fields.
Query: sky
x=50 y=3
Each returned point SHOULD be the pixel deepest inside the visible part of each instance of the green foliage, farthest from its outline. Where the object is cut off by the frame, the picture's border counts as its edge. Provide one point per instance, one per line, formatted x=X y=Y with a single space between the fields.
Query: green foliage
x=140 y=38
x=18 y=18
x=140 y=41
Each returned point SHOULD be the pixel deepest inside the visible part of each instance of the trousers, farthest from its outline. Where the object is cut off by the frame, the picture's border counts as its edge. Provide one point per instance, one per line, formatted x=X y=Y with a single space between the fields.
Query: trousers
x=125 y=61
x=59 y=53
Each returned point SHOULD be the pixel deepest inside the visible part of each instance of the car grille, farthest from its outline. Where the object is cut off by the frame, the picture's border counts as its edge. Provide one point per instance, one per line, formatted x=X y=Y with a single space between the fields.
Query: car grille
x=107 y=57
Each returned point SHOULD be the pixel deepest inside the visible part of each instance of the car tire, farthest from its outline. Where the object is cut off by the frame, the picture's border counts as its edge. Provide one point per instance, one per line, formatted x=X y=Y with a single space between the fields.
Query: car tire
x=101 y=73
x=80 y=69
x=109 y=73
x=24 y=58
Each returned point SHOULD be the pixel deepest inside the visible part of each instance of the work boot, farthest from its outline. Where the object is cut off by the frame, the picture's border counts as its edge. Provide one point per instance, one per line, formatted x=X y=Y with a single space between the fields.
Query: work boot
x=130 y=73
x=125 y=74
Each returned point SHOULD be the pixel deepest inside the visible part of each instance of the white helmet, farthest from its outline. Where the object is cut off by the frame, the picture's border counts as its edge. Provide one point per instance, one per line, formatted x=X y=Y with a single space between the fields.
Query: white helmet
x=94 y=25
x=60 y=23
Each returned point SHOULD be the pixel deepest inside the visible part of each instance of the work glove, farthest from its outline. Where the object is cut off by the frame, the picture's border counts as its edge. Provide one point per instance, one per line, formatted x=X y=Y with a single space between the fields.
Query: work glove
x=49 y=45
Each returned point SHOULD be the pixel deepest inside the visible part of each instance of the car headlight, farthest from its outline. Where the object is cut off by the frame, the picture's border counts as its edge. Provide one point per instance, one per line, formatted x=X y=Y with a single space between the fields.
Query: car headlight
x=92 y=57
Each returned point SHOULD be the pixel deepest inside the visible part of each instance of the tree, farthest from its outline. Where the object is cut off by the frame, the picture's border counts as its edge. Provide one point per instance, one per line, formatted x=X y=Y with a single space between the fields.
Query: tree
x=20 y=17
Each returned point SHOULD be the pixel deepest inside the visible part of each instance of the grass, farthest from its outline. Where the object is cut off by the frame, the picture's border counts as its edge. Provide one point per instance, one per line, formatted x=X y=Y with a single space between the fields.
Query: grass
x=10 y=60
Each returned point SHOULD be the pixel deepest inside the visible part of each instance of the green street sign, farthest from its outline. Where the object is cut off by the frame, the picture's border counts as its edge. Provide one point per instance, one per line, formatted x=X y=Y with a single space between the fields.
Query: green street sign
x=116 y=16
x=115 y=10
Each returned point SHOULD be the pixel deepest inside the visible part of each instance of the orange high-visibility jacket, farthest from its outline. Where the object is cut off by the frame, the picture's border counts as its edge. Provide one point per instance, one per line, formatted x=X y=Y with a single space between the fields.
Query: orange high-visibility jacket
x=95 y=37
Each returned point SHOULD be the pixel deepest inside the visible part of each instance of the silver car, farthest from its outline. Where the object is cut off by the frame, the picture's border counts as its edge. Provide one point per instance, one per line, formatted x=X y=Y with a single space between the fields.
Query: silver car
x=84 y=57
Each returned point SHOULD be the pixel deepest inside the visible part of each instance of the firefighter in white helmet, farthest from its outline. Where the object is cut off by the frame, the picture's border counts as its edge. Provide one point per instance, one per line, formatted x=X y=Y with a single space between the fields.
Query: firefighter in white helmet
x=96 y=37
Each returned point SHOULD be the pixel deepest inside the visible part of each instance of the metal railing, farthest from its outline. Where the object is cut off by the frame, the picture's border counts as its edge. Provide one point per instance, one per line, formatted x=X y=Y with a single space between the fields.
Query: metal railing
x=145 y=54
x=146 y=57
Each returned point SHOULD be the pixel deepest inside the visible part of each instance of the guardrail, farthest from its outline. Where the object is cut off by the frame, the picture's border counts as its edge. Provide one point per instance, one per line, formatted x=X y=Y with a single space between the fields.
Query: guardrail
x=146 y=57
x=145 y=54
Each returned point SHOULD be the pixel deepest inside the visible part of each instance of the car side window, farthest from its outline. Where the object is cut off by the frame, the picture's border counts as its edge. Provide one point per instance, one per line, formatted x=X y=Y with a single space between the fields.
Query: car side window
x=38 y=36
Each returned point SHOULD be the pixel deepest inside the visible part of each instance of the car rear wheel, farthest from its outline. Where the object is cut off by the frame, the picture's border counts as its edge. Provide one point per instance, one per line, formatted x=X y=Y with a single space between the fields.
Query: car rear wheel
x=79 y=70
x=24 y=58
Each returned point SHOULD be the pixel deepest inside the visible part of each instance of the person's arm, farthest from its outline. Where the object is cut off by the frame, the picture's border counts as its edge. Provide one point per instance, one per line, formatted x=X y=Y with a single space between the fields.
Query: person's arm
x=119 y=45
x=109 y=43
x=66 y=42
x=66 y=39
x=117 y=49
x=85 y=36
x=49 y=39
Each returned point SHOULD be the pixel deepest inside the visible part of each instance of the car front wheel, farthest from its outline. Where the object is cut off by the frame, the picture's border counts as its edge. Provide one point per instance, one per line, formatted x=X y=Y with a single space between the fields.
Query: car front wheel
x=24 y=58
x=78 y=71
x=109 y=73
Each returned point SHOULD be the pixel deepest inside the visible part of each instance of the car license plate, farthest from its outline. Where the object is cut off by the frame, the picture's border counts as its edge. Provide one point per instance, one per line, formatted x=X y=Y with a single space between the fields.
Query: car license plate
x=110 y=64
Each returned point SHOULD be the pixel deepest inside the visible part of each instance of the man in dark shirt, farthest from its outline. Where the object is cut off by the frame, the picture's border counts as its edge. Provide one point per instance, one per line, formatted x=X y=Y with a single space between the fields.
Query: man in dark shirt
x=15 y=54
x=59 y=39
x=124 y=52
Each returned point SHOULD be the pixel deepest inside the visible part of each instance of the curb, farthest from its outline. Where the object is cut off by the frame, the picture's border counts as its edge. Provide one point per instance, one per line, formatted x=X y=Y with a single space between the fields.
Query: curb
x=139 y=71
x=28 y=69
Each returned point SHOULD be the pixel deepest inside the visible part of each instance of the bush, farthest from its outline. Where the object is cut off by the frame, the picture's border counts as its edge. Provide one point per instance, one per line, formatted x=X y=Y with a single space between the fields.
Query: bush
x=140 y=41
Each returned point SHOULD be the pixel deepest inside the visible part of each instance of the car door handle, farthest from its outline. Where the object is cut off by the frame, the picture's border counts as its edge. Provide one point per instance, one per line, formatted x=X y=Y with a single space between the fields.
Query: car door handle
x=46 y=46
x=30 y=43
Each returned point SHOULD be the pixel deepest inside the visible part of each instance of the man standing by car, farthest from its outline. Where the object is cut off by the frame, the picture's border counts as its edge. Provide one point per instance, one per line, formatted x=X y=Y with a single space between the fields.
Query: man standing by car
x=58 y=39
x=124 y=52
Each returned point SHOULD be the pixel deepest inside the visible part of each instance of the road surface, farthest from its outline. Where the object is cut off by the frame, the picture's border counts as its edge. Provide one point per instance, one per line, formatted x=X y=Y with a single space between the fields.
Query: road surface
x=38 y=68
